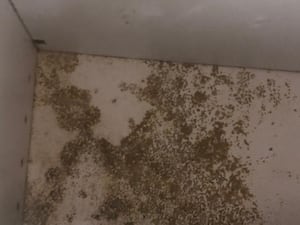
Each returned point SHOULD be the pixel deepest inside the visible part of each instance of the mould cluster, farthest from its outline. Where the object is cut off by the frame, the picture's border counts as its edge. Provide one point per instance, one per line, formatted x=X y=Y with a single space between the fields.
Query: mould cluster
x=175 y=167
x=74 y=114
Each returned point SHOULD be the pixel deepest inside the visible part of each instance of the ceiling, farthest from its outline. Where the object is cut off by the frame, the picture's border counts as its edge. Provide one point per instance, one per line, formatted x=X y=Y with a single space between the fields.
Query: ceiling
x=256 y=33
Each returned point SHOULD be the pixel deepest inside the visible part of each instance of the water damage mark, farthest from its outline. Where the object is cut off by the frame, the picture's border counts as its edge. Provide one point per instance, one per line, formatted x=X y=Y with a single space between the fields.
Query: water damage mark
x=175 y=167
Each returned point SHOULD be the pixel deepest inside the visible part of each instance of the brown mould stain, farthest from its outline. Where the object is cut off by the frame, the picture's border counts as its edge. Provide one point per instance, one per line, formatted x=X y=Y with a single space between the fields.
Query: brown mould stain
x=167 y=189
x=70 y=218
x=129 y=223
x=49 y=70
x=164 y=191
x=131 y=123
x=176 y=166
x=73 y=110
x=82 y=194
x=112 y=208
x=200 y=97
x=66 y=63
x=53 y=175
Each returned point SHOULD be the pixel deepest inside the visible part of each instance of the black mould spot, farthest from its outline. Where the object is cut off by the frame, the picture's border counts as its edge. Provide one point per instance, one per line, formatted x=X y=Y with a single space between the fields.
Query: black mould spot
x=113 y=208
x=200 y=97
x=82 y=194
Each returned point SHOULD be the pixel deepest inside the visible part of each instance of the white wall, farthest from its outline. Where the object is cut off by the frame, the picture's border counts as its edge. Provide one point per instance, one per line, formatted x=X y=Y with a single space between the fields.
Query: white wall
x=17 y=61
x=256 y=33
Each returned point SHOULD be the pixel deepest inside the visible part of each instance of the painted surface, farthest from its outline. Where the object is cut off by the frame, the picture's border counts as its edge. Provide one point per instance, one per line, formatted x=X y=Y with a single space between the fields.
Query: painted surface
x=17 y=63
x=257 y=33
x=133 y=142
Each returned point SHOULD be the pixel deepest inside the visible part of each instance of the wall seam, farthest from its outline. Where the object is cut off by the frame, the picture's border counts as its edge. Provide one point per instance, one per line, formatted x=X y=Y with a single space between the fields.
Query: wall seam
x=22 y=21
x=25 y=191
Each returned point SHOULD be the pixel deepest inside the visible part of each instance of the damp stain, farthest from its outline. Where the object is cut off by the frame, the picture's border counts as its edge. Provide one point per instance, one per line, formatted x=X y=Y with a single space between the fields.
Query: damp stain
x=176 y=166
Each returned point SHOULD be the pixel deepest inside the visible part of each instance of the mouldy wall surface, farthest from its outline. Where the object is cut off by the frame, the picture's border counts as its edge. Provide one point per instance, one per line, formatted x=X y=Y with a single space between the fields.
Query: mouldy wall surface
x=17 y=64
x=128 y=142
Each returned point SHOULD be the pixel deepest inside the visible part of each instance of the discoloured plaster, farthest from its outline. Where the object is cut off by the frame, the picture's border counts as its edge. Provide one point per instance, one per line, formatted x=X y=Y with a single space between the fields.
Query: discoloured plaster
x=157 y=143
